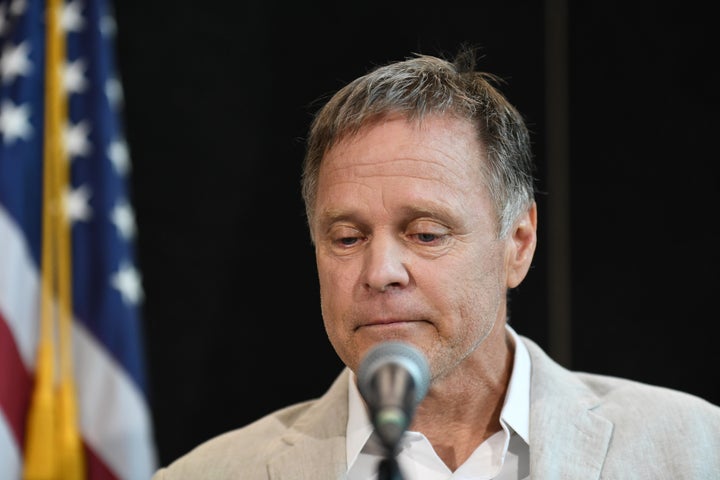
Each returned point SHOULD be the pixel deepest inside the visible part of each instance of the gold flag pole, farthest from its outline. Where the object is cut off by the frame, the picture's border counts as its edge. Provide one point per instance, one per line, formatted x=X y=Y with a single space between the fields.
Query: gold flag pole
x=54 y=448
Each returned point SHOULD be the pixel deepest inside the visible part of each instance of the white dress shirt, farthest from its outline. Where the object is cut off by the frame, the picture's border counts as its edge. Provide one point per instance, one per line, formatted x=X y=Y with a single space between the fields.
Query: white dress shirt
x=503 y=456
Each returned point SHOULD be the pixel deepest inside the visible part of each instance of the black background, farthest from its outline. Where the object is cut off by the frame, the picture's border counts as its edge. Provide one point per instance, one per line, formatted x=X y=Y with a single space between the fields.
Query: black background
x=218 y=96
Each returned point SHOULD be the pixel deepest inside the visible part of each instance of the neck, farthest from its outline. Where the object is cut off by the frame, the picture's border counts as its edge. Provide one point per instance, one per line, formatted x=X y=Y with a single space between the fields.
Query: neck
x=462 y=410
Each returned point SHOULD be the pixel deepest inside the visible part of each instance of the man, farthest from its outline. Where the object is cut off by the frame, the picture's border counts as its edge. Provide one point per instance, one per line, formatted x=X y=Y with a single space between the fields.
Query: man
x=418 y=187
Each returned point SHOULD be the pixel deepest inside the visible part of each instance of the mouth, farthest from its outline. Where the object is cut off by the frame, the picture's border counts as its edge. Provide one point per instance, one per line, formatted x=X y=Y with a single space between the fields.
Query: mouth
x=387 y=323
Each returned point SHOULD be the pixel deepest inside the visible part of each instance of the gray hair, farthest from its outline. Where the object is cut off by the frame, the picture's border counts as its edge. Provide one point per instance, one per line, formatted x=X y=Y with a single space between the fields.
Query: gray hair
x=423 y=85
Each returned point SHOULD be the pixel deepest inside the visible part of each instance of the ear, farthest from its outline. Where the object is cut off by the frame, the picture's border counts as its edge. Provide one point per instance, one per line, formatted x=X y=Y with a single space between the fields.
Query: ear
x=521 y=244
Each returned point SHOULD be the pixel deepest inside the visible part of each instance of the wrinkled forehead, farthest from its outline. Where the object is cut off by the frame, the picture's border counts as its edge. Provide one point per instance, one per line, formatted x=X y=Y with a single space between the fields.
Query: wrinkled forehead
x=437 y=146
x=404 y=161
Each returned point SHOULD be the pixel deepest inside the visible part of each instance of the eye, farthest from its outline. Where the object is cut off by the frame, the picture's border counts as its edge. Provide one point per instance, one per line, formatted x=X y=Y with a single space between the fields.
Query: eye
x=344 y=237
x=347 y=241
x=427 y=237
x=428 y=233
x=430 y=239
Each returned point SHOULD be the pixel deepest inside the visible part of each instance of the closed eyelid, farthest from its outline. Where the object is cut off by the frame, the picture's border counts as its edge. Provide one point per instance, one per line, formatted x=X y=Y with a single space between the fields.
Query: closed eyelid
x=328 y=220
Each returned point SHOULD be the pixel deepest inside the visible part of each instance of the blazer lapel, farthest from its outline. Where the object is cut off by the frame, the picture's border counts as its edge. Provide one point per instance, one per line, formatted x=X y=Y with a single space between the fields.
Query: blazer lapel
x=315 y=448
x=567 y=439
x=310 y=459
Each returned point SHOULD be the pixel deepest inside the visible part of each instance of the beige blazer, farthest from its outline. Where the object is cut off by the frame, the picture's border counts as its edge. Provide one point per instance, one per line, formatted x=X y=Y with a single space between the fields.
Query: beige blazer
x=582 y=427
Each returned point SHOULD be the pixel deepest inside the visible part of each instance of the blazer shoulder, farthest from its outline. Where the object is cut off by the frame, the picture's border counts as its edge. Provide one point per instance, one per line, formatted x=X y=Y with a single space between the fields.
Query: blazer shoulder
x=645 y=400
x=627 y=403
x=246 y=451
x=219 y=457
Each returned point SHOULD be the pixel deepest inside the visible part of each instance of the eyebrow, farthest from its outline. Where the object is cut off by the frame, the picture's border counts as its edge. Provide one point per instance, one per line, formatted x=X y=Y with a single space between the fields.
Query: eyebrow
x=335 y=215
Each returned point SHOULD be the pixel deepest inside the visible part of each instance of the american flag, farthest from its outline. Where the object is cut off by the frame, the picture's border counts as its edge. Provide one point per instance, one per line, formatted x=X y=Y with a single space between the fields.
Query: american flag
x=103 y=343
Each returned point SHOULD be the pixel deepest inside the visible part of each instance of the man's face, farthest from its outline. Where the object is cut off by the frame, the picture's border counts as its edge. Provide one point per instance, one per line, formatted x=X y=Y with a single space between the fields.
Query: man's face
x=406 y=242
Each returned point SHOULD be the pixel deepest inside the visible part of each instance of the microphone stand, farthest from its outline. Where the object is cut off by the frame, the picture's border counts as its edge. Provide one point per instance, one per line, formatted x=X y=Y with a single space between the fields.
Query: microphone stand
x=388 y=466
x=388 y=469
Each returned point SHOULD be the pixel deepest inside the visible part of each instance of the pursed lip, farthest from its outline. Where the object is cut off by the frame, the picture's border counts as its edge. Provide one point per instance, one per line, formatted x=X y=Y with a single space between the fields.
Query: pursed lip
x=380 y=322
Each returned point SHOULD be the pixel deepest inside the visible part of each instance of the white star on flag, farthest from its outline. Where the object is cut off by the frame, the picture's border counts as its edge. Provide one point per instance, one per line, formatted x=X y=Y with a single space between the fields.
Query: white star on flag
x=15 y=62
x=108 y=26
x=76 y=139
x=123 y=218
x=128 y=282
x=17 y=7
x=71 y=17
x=114 y=92
x=77 y=204
x=15 y=121
x=119 y=156
x=74 y=76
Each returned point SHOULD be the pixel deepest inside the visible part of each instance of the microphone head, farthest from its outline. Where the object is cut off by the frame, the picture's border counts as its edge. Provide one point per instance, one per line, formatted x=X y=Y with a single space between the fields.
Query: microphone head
x=393 y=378
x=401 y=354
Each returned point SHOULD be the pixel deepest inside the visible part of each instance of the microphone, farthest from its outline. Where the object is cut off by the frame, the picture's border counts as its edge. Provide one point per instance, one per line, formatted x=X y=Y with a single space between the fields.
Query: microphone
x=393 y=378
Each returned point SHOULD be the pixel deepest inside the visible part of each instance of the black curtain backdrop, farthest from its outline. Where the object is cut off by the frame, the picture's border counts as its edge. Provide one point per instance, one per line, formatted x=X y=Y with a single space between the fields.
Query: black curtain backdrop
x=218 y=98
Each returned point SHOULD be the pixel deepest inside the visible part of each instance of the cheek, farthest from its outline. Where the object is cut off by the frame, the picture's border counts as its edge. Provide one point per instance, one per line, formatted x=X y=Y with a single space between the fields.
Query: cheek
x=472 y=268
x=336 y=305
x=337 y=281
x=335 y=275
x=473 y=287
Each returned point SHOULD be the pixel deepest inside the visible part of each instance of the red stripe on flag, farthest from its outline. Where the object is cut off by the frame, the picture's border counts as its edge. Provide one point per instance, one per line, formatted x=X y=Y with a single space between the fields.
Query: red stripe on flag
x=15 y=389
x=96 y=468
x=15 y=384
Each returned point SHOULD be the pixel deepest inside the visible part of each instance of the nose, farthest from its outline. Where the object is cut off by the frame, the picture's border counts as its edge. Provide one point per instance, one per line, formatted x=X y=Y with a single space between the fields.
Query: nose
x=384 y=265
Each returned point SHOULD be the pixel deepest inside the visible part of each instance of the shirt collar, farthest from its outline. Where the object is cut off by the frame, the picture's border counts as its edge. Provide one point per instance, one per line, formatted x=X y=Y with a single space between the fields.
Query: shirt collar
x=515 y=413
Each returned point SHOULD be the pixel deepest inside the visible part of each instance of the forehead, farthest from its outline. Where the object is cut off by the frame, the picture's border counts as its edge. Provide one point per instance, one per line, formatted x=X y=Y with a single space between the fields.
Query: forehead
x=441 y=148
